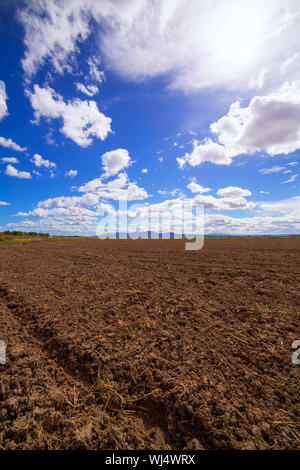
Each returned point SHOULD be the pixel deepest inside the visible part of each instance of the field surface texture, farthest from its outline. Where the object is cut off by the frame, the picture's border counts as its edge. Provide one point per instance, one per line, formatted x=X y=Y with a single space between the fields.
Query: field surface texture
x=121 y=344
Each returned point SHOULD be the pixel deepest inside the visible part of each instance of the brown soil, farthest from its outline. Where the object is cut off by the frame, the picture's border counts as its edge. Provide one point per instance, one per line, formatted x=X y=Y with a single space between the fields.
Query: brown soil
x=142 y=345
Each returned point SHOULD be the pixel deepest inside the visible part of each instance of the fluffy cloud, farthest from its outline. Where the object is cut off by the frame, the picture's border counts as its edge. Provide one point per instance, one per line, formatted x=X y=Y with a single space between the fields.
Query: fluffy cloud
x=51 y=31
x=233 y=192
x=94 y=72
x=12 y=171
x=197 y=188
x=144 y=170
x=71 y=173
x=118 y=189
x=8 y=143
x=61 y=212
x=215 y=223
x=115 y=161
x=208 y=151
x=81 y=119
x=3 y=98
x=224 y=203
x=257 y=225
x=141 y=39
x=270 y=123
x=39 y=162
x=89 y=90
x=2 y=203
x=10 y=160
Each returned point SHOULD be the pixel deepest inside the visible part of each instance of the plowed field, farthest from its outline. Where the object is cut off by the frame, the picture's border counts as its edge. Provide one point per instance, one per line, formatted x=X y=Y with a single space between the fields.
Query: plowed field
x=121 y=344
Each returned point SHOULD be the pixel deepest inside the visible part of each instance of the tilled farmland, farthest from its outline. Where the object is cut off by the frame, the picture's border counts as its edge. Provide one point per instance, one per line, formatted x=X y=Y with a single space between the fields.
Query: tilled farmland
x=122 y=344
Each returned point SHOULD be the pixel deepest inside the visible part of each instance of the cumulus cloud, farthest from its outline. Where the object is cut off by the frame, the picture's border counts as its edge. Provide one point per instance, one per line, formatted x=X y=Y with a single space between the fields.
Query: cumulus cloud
x=140 y=39
x=233 y=192
x=115 y=161
x=8 y=143
x=10 y=160
x=81 y=119
x=40 y=162
x=215 y=223
x=12 y=171
x=86 y=200
x=144 y=170
x=2 y=203
x=207 y=151
x=224 y=203
x=197 y=188
x=120 y=188
x=3 y=98
x=71 y=173
x=89 y=90
x=270 y=123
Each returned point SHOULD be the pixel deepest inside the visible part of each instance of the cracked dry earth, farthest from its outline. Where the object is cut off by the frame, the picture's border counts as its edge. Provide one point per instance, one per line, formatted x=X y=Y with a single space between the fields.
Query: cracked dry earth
x=121 y=344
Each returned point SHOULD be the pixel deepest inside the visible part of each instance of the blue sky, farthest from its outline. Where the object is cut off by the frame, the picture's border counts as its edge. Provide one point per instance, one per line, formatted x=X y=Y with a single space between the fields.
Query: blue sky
x=156 y=102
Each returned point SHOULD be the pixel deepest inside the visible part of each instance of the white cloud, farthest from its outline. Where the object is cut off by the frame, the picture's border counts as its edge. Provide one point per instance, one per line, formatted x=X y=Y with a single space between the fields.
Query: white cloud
x=224 y=203
x=12 y=171
x=173 y=192
x=39 y=162
x=284 y=206
x=270 y=123
x=233 y=192
x=89 y=90
x=10 y=160
x=197 y=188
x=141 y=39
x=290 y=180
x=94 y=72
x=215 y=223
x=119 y=188
x=264 y=192
x=288 y=62
x=3 y=98
x=115 y=161
x=259 y=80
x=51 y=31
x=62 y=212
x=144 y=170
x=86 y=200
x=208 y=151
x=8 y=143
x=81 y=119
x=2 y=203
x=273 y=169
x=71 y=173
